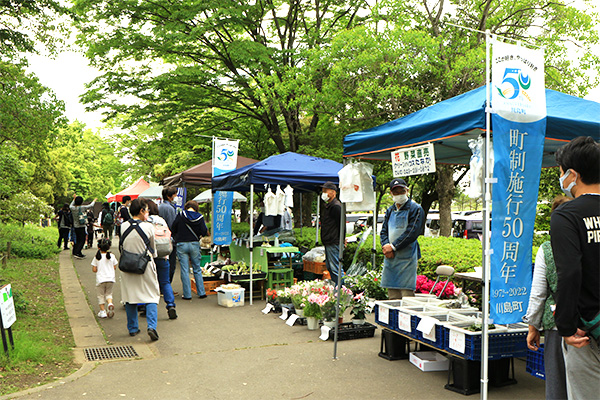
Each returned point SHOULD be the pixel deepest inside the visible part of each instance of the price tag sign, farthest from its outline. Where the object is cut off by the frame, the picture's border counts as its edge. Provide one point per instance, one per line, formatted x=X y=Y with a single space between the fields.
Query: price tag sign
x=324 y=332
x=384 y=314
x=222 y=275
x=404 y=322
x=284 y=313
x=457 y=341
x=292 y=319
x=268 y=308
x=427 y=327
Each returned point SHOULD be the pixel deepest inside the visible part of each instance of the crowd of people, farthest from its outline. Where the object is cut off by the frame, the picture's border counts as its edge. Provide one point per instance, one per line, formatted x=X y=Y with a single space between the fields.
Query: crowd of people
x=135 y=222
x=565 y=294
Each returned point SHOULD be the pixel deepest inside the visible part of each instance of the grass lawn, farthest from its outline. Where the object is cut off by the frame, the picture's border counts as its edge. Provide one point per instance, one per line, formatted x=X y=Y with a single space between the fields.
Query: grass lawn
x=43 y=338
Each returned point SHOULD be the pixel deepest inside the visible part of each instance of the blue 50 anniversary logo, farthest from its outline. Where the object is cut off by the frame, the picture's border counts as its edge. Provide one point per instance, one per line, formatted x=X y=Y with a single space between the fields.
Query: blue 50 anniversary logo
x=514 y=82
x=225 y=154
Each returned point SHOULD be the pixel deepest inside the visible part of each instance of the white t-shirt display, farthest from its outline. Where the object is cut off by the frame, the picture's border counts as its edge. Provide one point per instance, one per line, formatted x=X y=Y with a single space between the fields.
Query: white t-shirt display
x=270 y=201
x=106 y=268
x=280 y=196
x=289 y=196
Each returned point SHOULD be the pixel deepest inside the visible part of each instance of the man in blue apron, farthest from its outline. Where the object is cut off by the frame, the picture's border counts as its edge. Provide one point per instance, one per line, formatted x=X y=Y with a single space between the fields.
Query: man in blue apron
x=402 y=224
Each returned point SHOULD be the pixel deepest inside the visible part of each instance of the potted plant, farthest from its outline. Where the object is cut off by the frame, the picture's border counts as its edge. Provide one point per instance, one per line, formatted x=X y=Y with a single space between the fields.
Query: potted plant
x=312 y=310
x=285 y=298
x=359 y=309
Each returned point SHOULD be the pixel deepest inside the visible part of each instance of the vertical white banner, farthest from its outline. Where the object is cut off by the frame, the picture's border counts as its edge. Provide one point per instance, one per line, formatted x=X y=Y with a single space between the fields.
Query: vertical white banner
x=224 y=160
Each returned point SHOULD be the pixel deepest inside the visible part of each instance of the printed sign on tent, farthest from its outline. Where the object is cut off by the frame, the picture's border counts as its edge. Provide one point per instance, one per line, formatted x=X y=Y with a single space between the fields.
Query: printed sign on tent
x=224 y=160
x=416 y=160
x=519 y=126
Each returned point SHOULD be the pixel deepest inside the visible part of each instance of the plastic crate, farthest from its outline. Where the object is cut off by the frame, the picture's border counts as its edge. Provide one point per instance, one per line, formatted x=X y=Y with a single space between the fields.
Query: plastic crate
x=503 y=342
x=392 y=306
x=314 y=267
x=413 y=311
x=348 y=331
x=535 y=363
x=209 y=285
x=443 y=319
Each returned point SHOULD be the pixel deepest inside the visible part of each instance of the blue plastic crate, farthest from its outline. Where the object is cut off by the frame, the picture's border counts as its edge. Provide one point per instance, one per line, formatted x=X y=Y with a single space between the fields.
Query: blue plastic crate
x=439 y=333
x=392 y=320
x=535 y=363
x=501 y=345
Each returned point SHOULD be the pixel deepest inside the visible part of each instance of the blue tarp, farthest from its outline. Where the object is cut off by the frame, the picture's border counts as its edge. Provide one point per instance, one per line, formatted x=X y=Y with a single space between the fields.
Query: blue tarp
x=300 y=171
x=448 y=124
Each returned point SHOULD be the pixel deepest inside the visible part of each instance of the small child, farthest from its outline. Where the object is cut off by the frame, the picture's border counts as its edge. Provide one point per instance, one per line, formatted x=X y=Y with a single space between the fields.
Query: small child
x=104 y=265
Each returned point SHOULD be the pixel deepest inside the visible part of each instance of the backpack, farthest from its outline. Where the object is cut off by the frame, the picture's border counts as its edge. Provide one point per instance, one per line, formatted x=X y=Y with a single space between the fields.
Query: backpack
x=68 y=219
x=81 y=216
x=108 y=218
x=162 y=238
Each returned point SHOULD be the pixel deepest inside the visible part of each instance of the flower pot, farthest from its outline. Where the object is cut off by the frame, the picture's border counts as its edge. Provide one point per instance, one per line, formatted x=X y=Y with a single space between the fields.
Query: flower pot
x=300 y=312
x=358 y=321
x=330 y=324
x=312 y=323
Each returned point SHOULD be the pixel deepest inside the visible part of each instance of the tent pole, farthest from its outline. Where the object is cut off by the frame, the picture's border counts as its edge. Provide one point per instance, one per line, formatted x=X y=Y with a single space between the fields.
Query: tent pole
x=486 y=229
x=317 y=223
x=301 y=215
x=374 y=250
x=251 y=239
x=339 y=278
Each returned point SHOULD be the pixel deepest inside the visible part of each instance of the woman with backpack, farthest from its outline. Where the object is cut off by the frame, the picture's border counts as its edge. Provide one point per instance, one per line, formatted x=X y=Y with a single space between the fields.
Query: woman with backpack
x=79 y=222
x=162 y=237
x=107 y=220
x=65 y=222
x=188 y=227
x=137 y=237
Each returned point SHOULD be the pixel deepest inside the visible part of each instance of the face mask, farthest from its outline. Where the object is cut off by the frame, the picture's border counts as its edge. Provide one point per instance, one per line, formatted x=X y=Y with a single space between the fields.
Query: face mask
x=400 y=199
x=567 y=190
x=325 y=197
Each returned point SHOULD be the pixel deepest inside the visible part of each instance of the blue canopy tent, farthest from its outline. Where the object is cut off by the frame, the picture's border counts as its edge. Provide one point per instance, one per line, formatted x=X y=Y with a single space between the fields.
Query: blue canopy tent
x=448 y=125
x=302 y=172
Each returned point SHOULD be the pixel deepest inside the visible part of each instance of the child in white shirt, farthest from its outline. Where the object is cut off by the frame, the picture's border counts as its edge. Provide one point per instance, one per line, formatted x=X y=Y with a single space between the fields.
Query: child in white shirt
x=104 y=265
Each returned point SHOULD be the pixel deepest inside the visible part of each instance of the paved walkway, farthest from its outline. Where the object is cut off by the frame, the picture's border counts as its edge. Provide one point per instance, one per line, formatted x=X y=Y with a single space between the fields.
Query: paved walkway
x=212 y=352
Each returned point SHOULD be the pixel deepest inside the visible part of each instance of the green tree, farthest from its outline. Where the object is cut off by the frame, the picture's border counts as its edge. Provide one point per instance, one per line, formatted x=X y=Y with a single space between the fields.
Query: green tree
x=25 y=207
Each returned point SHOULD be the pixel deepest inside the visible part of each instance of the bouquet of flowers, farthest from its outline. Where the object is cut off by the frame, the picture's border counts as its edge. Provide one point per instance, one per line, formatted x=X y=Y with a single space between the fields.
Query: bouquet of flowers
x=271 y=295
x=314 y=305
x=284 y=296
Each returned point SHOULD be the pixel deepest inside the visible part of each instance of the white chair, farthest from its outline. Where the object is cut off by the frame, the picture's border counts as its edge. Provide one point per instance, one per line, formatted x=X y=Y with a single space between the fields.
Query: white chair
x=442 y=270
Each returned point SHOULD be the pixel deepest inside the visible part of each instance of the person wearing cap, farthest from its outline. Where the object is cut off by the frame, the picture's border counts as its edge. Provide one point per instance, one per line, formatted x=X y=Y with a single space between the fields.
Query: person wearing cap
x=331 y=215
x=402 y=224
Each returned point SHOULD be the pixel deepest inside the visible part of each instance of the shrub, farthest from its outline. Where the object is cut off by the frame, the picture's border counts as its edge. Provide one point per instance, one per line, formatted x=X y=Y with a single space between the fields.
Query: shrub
x=29 y=241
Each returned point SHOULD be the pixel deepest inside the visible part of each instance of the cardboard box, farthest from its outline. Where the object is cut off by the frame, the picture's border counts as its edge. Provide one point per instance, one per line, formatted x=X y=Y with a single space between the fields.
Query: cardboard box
x=429 y=361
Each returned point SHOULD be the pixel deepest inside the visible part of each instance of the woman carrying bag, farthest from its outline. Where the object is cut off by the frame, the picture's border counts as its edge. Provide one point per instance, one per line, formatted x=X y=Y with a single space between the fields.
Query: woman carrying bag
x=137 y=238
x=188 y=228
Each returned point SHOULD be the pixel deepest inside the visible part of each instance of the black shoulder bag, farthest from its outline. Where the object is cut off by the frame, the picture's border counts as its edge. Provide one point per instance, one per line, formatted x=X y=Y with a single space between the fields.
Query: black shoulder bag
x=134 y=263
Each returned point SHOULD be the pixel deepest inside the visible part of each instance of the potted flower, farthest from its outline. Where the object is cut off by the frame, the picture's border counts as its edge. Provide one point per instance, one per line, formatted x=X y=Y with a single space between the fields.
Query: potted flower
x=285 y=298
x=312 y=310
x=359 y=309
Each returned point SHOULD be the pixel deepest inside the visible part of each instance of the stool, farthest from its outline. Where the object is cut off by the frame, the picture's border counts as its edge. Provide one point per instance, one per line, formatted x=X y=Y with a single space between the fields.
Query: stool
x=393 y=346
x=280 y=278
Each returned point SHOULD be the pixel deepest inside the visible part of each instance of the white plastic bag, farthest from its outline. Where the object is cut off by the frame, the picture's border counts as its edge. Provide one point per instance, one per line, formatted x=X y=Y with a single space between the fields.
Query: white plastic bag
x=365 y=171
x=350 y=184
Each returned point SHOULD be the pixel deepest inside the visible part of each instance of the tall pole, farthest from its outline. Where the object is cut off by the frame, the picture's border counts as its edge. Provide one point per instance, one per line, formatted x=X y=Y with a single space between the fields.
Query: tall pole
x=317 y=221
x=251 y=238
x=375 y=216
x=486 y=226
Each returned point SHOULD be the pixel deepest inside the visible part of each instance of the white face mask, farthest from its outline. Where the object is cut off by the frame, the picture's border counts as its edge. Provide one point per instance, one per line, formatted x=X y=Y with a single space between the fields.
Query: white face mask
x=400 y=199
x=325 y=197
x=567 y=190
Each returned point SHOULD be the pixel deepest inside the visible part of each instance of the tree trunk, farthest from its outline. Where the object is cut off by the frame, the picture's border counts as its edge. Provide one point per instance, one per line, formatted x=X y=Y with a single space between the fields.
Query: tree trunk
x=244 y=211
x=307 y=200
x=445 y=190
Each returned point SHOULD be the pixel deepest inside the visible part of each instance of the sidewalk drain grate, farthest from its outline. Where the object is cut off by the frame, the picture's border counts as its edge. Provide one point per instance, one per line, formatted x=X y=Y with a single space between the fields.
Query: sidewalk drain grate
x=110 y=353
